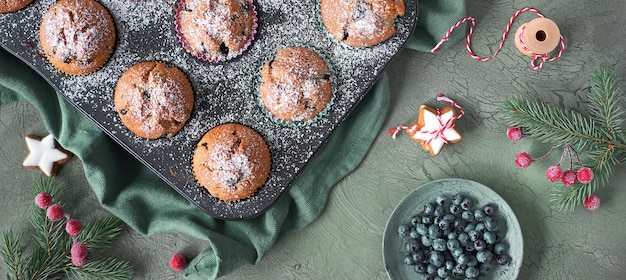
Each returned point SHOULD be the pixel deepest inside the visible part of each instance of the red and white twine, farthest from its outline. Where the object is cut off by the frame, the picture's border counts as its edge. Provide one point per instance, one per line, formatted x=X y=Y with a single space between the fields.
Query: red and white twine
x=542 y=58
x=438 y=132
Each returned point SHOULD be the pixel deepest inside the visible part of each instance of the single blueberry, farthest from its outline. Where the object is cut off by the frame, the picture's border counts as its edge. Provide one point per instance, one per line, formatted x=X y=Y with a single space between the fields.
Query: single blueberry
x=479 y=215
x=455 y=209
x=484 y=256
x=499 y=248
x=471 y=272
x=419 y=268
x=403 y=230
x=439 y=211
x=407 y=260
x=467 y=204
x=412 y=245
x=428 y=209
x=416 y=220
x=489 y=209
x=503 y=259
x=457 y=199
x=468 y=216
x=440 y=200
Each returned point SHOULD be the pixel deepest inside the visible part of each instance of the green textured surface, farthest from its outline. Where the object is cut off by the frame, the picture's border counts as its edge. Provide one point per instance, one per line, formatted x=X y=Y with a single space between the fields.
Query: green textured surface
x=344 y=242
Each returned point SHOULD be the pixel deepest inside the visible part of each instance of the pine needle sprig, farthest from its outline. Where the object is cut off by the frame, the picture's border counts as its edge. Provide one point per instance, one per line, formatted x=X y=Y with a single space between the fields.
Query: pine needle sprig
x=47 y=185
x=605 y=101
x=552 y=124
x=51 y=259
x=101 y=233
x=48 y=234
x=598 y=136
x=46 y=266
x=13 y=255
x=109 y=269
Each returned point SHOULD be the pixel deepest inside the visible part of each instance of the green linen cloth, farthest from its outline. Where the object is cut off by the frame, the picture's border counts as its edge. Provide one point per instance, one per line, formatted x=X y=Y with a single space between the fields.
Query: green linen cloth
x=133 y=193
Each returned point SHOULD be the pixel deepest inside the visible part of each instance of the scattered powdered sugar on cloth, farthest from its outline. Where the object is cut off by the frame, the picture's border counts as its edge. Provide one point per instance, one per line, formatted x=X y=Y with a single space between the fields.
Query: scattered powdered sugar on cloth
x=224 y=92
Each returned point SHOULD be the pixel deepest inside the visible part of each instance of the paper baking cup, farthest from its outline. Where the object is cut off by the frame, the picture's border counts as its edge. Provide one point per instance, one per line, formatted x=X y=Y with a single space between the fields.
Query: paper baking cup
x=319 y=115
x=220 y=58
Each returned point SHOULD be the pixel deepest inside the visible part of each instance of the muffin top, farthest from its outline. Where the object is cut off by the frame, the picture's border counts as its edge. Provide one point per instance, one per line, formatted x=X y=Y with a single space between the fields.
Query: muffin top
x=216 y=30
x=295 y=84
x=77 y=36
x=231 y=161
x=361 y=23
x=8 y=6
x=154 y=100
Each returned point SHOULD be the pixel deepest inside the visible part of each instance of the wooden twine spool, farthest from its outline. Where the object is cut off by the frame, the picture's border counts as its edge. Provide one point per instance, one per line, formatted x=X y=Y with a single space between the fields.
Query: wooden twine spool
x=538 y=36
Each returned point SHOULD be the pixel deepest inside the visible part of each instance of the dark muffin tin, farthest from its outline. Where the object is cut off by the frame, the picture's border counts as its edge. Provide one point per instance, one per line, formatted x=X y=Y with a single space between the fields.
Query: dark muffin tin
x=225 y=92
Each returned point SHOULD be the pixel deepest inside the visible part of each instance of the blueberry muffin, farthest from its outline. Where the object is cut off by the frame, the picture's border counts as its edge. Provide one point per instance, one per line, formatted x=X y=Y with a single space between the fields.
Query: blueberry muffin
x=77 y=36
x=153 y=100
x=231 y=161
x=361 y=23
x=295 y=84
x=216 y=30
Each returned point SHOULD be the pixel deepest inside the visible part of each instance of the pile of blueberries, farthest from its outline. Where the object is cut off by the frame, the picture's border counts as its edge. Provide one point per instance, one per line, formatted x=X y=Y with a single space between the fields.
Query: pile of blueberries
x=451 y=239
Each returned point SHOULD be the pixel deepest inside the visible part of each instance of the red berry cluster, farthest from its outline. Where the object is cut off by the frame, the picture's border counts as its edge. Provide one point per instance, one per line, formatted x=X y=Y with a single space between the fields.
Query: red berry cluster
x=73 y=227
x=554 y=173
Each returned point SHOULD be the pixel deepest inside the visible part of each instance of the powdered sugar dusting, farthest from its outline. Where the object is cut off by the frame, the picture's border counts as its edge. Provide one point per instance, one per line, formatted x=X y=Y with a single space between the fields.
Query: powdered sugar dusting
x=295 y=84
x=216 y=30
x=365 y=20
x=153 y=100
x=225 y=92
x=75 y=37
x=228 y=167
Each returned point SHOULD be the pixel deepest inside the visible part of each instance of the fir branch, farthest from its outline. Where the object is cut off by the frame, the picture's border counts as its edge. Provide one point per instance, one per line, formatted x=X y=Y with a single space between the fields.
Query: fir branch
x=551 y=124
x=12 y=255
x=599 y=134
x=100 y=234
x=109 y=269
x=45 y=184
x=45 y=266
x=47 y=233
x=605 y=101
x=51 y=257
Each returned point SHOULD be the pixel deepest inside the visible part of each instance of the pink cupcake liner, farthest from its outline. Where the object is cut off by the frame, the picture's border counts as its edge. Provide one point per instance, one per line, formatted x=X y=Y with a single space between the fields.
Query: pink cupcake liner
x=219 y=58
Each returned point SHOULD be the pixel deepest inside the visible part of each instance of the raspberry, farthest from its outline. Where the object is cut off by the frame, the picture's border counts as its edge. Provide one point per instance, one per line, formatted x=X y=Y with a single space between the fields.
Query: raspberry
x=568 y=178
x=178 y=262
x=43 y=200
x=523 y=160
x=553 y=173
x=584 y=175
x=514 y=133
x=79 y=254
x=55 y=212
x=592 y=202
x=73 y=227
